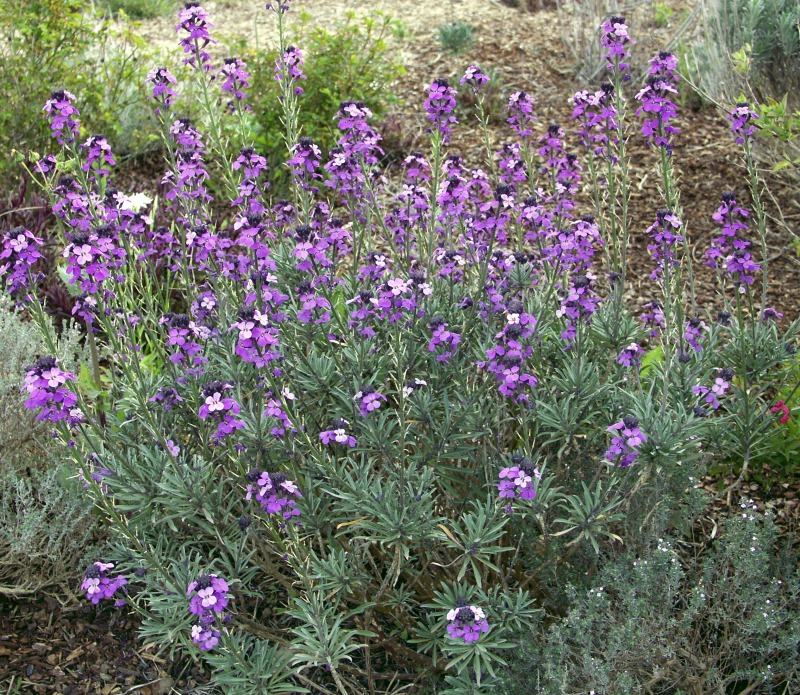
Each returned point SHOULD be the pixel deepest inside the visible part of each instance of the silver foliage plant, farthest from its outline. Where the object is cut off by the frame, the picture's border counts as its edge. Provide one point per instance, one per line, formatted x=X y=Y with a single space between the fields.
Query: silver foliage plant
x=348 y=441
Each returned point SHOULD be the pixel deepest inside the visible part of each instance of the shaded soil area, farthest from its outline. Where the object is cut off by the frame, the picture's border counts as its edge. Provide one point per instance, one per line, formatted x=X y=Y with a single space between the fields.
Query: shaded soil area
x=48 y=648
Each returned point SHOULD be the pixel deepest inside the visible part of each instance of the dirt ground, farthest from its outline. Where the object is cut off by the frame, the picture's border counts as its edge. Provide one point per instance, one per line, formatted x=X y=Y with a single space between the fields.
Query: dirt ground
x=49 y=648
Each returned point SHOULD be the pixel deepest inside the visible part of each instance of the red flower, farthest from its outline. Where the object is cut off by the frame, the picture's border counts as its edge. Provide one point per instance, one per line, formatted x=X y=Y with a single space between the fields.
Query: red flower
x=783 y=408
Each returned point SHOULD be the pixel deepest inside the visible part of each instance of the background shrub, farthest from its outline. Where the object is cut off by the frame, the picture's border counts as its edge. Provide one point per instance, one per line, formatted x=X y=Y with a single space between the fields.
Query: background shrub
x=142 y=9
x=348 y=61
x=716 y=619
x=57 y=44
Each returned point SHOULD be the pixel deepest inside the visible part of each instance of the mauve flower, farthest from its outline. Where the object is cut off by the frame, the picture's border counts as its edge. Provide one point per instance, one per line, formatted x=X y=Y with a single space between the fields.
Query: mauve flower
x=274 y=492
x=520 y=114
x=631 y=356
x=193 y=20
x=208 y=595
x=205 y=637
x=624 y=448
x=98 y=585
x=467 y=623
x=46 y=387
x=235 y=79
x=162 y=92
x=440 y=104
x=338 y=434
x=517 y=480
x=369 y=400
x=657 y=101
x=615 y=40
x=216 y=406
x=18 y=254
x=742 y=120
x=443 y=342
x=64 y=124
x=290 y=67
x=474 y=77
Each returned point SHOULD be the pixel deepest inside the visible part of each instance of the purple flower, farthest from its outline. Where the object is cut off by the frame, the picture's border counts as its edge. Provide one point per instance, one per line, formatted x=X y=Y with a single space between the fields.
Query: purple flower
x=520 y=114
x=442 y=342
x=598 y=119
x=517 y=480
x=306 y=159
x=183 y=341
x=742 y=120
x=18 y=255
x=338 y=434
x=440 y=104
x=656 y=98
x=467 y=623
x=162 y=92
x=718 y=389
x=413 y=385
x=578 y=305
x=205 y=636
x=208 y=595
x=258 y=342
x=615 y=40
x=235 y=79
x=290 y=68
x=631 y=356
x=220 y=409
x=98 y=156
x=98 y=585
x=475 y=78
x=193 y=20
x=45 y=384
x=369 y=400
x=666 y=239
x=274 y=492
x=64 y=124
x=624 y=448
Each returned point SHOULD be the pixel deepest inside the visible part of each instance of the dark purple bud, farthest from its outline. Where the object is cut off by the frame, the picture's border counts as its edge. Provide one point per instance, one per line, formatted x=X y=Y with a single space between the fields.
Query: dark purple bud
x=630 y=422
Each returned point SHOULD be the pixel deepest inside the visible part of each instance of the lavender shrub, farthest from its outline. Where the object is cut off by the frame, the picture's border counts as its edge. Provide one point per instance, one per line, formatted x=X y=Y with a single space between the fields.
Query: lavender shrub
x=349 y=438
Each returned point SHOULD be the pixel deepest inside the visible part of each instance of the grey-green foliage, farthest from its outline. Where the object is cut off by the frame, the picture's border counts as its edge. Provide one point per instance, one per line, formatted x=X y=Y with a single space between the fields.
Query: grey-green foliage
x=456 y=37
x=45 y=521
x=760 y=38
x=723 y=620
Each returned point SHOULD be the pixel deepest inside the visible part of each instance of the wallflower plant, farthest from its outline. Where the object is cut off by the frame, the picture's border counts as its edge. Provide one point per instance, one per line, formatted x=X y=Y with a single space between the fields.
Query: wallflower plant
x=374 y=419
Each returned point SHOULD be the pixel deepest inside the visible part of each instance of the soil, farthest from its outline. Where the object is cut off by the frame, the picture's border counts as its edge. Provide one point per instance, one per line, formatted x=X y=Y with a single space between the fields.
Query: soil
x=49 y=648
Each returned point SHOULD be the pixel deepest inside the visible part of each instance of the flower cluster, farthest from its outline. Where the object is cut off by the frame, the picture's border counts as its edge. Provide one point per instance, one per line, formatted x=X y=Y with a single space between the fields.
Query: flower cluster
x=631 y=356
x=274 y=492
x=63 y=114
x=615 y=40
x=598 y=121
x=338 y=434
x=234 y=80
x=506 y=358
x=18 y=255
x=369 y=400
x=728 y=251
x=193 y=20
x=656 y=98
x=516 y=480
x=474 y=77
x=718 y=389
x=520 y=114
x=208 y=600
x=624 y=449
x=440 y=105
x=443 y=342
x=98 y=585
x=220 y=409
x=742 y=120
x=289 y=67
x=665 y=243
x=162 y=93
x=45 y=384
x=257 y=342
x=467 y=623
